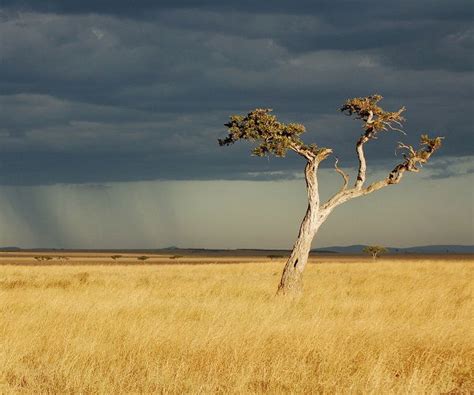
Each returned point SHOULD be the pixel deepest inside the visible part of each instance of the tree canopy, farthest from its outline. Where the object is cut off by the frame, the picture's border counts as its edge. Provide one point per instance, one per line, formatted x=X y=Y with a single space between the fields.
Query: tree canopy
x=273 y=137
x=375 y=251
x=276 y=138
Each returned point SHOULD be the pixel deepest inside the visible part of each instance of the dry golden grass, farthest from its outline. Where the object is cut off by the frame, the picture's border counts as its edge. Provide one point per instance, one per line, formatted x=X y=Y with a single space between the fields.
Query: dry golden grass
x=385 y=327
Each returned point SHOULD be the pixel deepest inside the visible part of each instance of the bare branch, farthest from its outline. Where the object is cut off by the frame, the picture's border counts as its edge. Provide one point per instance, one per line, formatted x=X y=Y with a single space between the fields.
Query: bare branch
x=344 y=175
x=362 y=163
x=396 y=129
x=311 y=152
x=370 y=118
x=407 y=147
x=300 y=150
x=374 y=120
x=413 y=159
x=323 y=153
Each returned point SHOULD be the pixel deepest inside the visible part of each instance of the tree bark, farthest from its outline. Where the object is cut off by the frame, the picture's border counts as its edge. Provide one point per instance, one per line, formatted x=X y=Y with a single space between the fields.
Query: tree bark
x=292 y=276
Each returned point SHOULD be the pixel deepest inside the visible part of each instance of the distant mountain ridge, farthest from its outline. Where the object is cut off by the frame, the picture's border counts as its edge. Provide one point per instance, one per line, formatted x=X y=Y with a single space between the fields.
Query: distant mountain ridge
x=430 y=249
x=352 y=249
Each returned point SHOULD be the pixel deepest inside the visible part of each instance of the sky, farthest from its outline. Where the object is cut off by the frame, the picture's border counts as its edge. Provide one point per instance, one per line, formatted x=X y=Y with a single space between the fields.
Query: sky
x=110 y=114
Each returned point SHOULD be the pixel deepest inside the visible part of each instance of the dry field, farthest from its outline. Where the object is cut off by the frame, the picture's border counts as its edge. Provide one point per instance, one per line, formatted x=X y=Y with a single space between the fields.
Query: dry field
x=392 y=326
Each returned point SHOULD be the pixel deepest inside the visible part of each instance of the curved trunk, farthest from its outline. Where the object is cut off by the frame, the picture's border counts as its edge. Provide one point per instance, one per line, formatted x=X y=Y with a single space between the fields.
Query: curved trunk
x=291 y=279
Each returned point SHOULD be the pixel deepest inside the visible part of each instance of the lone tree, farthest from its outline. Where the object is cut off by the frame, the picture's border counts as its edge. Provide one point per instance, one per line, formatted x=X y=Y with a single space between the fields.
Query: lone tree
x=276 y=138
x=375 y=251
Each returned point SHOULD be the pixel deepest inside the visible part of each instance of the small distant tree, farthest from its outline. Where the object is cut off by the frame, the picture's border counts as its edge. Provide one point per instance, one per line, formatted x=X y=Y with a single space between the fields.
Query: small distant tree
x=276 y=138
x=142 y=258
x=375 y=251
x=115 y=257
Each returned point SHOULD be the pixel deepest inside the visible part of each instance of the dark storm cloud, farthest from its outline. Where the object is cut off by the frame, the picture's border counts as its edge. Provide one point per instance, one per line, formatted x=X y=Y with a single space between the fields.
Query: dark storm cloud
x=110 y=91
x=350 y=9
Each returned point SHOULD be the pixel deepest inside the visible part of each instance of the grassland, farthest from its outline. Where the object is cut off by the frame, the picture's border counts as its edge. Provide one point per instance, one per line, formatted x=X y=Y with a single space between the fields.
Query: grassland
x=385 y=327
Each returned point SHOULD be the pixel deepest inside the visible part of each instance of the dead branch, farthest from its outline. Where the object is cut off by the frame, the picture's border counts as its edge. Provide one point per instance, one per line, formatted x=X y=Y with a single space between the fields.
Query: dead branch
x=344 y=175
x=362 y=162
x=412 y=160
x=374 y=119
x=304 y=152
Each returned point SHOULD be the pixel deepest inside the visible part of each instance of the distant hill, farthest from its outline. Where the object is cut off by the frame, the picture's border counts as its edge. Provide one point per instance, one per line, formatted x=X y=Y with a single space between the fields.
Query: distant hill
x=433 y=249
x=349 y=250
x=10 y=249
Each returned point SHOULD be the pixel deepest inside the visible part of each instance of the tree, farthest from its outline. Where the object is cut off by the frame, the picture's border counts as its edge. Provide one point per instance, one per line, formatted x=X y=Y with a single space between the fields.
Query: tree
x=276 y=138
x=375 y=251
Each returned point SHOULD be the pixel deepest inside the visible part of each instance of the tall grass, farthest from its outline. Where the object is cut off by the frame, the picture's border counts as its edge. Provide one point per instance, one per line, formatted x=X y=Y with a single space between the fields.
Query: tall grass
x=385 y=327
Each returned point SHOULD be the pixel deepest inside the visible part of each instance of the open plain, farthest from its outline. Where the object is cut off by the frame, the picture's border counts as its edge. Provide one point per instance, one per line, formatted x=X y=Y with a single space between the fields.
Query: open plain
x=87 y=323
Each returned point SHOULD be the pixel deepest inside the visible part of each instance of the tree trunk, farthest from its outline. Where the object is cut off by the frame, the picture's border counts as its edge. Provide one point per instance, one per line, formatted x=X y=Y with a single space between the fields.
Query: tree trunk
x=292 y=276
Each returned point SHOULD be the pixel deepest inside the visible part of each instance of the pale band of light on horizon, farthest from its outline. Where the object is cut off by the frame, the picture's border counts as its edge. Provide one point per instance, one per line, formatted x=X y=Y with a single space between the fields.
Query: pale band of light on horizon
x=231 y=214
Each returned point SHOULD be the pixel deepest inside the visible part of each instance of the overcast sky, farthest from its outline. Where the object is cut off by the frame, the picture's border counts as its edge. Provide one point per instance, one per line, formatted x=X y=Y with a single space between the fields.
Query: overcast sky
x=110 y=113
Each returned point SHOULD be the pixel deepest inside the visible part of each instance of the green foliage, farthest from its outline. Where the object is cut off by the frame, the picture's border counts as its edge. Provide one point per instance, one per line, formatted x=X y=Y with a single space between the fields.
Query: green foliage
x=414 y=158
x=273 y=136
x=375 y=250
x=374 y=117
x=429 y=143
x=276 y=138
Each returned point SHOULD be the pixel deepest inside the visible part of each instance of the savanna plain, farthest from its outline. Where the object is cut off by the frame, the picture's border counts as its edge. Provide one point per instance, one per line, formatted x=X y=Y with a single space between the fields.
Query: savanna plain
x=389 y=326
